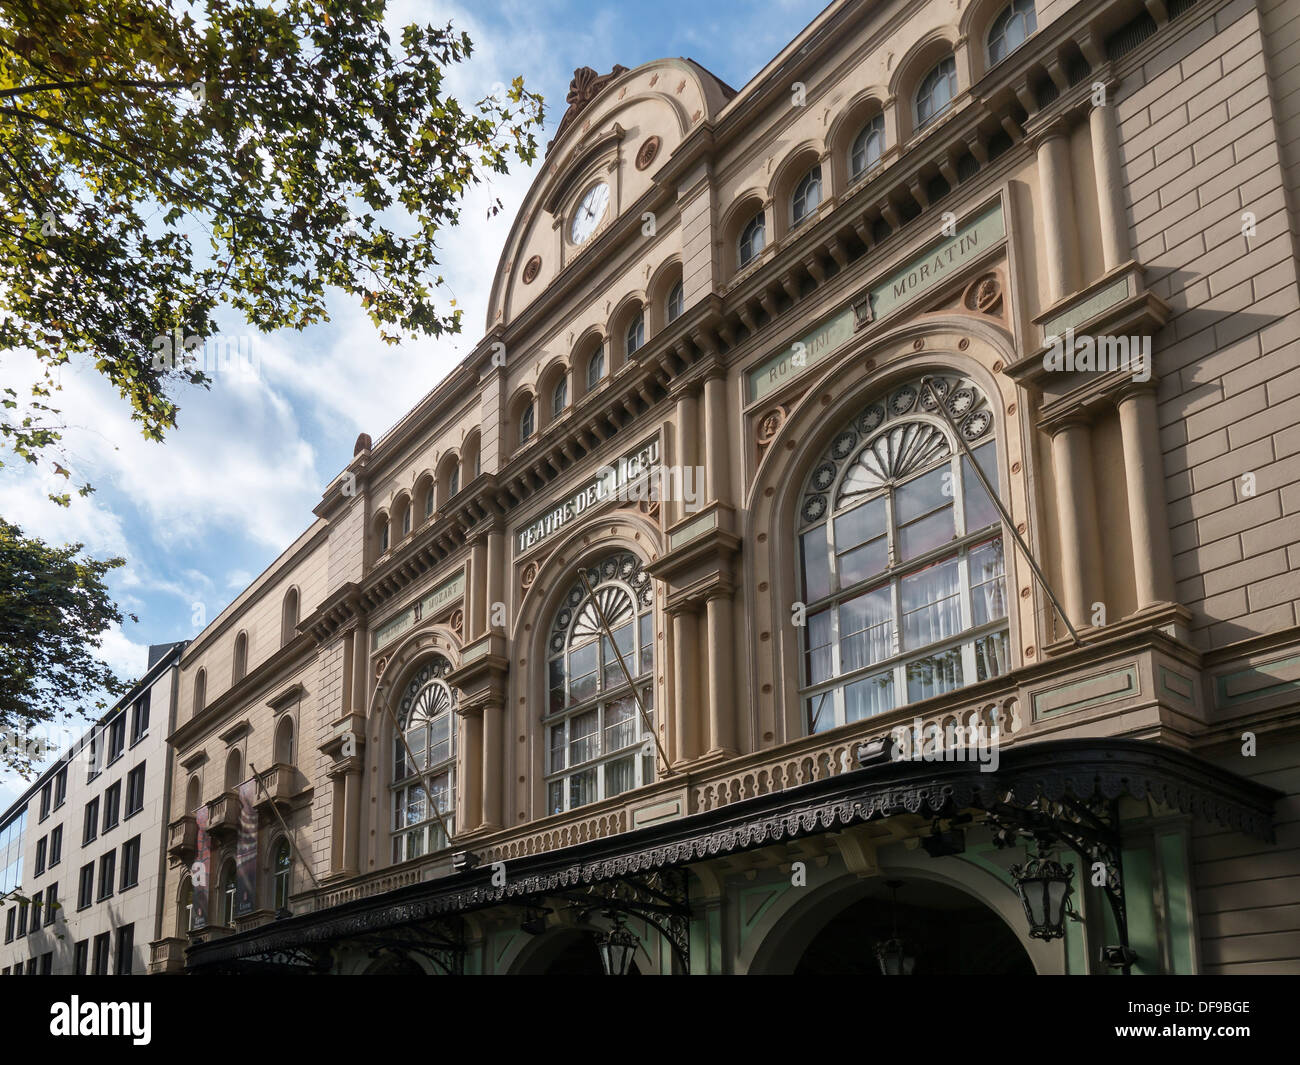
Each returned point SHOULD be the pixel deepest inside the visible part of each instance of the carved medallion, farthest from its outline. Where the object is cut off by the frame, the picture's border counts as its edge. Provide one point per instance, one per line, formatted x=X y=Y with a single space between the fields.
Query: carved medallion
x=531 y=269
x=770 y=424
x=984 y=294
x=646 y=153
x=528 y=576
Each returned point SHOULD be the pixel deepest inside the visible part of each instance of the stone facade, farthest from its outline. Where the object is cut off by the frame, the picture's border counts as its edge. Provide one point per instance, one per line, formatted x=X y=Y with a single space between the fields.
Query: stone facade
x=1123 y=171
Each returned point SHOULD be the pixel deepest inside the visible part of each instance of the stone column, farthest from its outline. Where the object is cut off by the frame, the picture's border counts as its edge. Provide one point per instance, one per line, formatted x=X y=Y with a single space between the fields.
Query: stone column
x=493 y=765
x=1145 y=485
x=723 y=672
x=496 y=572
x=352 y=820
x=1115 y=246
x=716 y=459
x=476 y=590
x=472 y=764
x=1081 y=573
x=685 y=628
x=1056 y=198
x=685 y=441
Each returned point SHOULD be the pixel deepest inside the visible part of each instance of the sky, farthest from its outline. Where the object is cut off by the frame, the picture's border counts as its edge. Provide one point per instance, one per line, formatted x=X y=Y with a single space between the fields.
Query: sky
x=198 y=516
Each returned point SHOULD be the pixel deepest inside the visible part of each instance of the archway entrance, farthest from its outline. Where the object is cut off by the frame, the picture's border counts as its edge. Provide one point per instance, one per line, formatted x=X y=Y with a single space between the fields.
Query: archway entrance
x=947 y=931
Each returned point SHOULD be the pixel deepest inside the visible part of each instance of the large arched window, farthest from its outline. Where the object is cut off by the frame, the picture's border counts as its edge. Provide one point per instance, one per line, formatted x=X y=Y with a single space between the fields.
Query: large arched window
x=200 y=691
x=185 y=908
x=597 y=744
x=281 y=868
x=807 y=196
x=937 y=91
x=284 y=740
x=676 y=302
x=427 y=719
x=560 y=396
x=634 y=335
x=1011 y=29
x=226 y=900
x=193 y=797
x=901 y=558
x=595 y=367
x=289 y=617
x=868 y=146
x=240 y=664
x=527 y=423
x=753 y=238
x=234 y=769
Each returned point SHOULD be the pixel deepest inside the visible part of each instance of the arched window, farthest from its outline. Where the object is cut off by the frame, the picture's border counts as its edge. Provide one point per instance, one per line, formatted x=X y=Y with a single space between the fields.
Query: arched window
x=936 y=91
x=560 y=397
x=453 y=479
x=406 y=519
x=428 y=501
x=240 y=667
x=284 y=741
x=234 y=770
x=597 y=743
x=193 y=795
x=1011 y=29
x=634 y=337
x=200 y=691
x=901 y=558
x=289 y=617
x=595 y=367
x=227 y=897
x=676 y=302
x=753 y=238
x=427 y=719
x=281 y=868
x=807 y=196
x=526 y=423
x=868 y=147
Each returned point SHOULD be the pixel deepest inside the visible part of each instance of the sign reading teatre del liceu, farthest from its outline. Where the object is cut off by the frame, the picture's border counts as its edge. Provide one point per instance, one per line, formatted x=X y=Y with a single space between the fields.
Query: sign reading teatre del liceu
x=914 y=277
x=608 y=481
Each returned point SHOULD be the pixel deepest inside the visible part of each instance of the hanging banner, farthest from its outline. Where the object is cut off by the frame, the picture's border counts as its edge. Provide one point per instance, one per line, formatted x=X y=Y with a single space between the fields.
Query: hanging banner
x=199 y=878
x=246 y=850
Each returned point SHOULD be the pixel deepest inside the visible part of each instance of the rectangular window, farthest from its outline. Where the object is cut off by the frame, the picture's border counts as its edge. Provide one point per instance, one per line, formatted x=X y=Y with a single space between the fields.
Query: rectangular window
x=85 y=885
x=924 y=513
x=47 y=963
x=96 y=755
x=100 y=964
x=36 y=911
x=125 y=949
x=116 y=738
x=90 y=829
x=861 y=541
x=56 y=846
x=130 y=863
x=112 y=802
x=31 y=966
x=135 y=790
x=40 y=855
x=9 y=923
x=820 y=665
x=61 y=787
x=867 y=629
x=107 y=867
x=46 y=793
x=51 y=902
x=931 y=604
x=80 y=956
x=22 y=918
x=140 y=719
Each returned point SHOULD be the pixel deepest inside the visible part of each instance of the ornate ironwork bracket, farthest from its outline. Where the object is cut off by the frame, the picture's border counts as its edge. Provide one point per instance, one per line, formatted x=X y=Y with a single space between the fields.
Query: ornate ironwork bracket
x=439 y=940
x=1091 y=829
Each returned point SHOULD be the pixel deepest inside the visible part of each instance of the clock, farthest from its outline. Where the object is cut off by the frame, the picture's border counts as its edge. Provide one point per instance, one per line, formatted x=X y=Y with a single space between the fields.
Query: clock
x=589 y=213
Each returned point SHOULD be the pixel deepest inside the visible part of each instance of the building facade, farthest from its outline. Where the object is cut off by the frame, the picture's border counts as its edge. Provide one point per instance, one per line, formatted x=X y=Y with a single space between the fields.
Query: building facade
x=874 y=491
x=84 y=847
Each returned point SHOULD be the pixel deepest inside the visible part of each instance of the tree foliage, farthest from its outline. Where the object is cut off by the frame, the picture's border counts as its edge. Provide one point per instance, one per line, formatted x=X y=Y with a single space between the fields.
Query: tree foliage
x=154 y=167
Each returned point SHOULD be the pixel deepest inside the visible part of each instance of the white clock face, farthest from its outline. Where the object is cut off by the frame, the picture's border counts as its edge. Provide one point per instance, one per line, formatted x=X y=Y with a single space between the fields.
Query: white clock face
x=589 y=213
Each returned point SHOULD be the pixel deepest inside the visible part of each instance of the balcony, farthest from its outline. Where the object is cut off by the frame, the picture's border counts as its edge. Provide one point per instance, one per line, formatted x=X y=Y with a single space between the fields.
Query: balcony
x=183 y=839
x=279 y=785
x=223 y=815
x=167 y=956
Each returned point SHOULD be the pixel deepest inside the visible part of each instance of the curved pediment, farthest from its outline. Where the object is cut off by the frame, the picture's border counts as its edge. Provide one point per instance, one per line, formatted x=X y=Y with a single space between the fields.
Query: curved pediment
x=618 y=131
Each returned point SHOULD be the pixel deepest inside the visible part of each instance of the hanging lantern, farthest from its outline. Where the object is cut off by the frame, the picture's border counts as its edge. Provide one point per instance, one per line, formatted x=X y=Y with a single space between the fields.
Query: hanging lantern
x=1043 y=885
x=892 y=954
x=617 y=948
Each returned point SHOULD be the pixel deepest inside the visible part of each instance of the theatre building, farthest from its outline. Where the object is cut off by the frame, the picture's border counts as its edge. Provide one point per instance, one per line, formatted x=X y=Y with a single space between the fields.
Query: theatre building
x=864 y=540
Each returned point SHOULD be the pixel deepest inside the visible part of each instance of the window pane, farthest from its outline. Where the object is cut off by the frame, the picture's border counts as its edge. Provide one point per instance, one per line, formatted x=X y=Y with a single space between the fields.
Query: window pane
x=582 y=788
x=992 y=656
x=987 y=581
x=613 y=672
x=860 y=524
x=816 y=565
x=557 y=685
x=980 y=511
x=584 y=740
x=927 y=534
x=865 y=698
x=439 y=739
x=620 y=725
x=931 y=604
x=821 y=712
x=934 y=675
x=555 y=796
x=863 y=562
x=582 y=670
x=820 y=663
x=557 y=748
x=866 y=629
x=647 y=638
x=922 y=495
x=620 y=776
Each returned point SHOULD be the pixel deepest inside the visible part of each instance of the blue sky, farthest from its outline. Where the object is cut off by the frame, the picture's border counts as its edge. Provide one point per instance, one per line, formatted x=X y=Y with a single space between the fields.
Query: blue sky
x=198 y=516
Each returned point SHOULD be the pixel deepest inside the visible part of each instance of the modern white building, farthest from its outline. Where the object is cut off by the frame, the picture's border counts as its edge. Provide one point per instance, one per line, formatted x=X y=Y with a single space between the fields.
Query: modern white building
x=82 y=851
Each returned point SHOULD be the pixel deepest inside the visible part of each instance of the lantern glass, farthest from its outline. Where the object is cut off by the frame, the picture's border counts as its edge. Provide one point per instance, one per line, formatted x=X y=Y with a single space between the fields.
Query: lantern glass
x=617 y=948
x=1044 y=889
